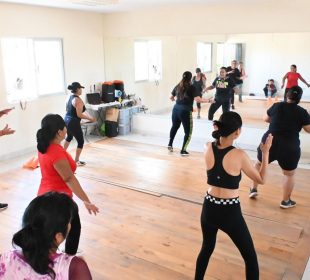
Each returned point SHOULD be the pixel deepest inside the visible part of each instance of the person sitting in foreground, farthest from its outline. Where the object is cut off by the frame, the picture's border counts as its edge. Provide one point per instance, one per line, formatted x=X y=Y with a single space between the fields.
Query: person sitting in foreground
x=46 y=224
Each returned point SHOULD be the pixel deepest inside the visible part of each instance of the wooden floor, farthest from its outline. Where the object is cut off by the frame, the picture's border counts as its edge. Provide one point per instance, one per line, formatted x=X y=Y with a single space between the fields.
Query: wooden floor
x=150 y=203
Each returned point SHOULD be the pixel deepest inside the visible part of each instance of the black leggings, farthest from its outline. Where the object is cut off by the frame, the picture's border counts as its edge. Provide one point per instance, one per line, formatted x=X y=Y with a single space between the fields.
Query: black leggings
x=232 y=97
x=217 y=104
x=73 y=238
x=229 y=219
x=74 y=130
x=181 y=114
x=198 y=103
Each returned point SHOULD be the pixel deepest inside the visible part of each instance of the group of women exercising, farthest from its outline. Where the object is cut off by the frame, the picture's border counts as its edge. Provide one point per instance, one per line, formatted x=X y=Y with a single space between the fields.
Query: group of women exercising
x=53 y=216
x=221 y=207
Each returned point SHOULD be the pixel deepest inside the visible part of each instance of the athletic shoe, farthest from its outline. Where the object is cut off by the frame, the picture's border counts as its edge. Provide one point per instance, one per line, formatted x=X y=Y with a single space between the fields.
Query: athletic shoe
x=80 y=163
x=253 y=193
x=198 y=117
x=184 y=153
x=233 y=107
x=287 y=204
x=3 y=206
x=170 y=149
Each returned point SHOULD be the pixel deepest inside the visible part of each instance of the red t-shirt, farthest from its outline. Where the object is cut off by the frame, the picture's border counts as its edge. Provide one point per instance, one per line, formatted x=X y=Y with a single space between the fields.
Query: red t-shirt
x=292 y=79
x=51 y=180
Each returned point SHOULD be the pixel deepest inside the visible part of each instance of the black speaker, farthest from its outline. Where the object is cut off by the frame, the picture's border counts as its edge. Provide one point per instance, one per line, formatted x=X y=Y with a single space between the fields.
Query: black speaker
x=108 y=92
x=111 y=129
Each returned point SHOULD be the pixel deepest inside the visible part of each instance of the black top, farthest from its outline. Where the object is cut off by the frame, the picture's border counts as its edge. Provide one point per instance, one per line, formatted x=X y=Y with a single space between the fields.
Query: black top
x=71 y=110
x=287 y=119
x=188 y=100
x=235 y=75
x=272 y=87
x=217 y=176
x=198 y=84
x=223 y=87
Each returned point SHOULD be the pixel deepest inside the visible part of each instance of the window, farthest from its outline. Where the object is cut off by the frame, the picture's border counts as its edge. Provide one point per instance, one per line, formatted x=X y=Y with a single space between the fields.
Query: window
x=226 y=52
x=219 y=55
x=148 y=65
x=32 y=67
x=204 y=56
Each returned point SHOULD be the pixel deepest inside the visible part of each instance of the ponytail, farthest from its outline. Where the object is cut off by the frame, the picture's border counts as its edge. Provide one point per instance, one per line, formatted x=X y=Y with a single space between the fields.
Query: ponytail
x=35 y=249
x=50 y=125
x=43 y=140
x=228 y=123
x=184 y=85
x=70 y=88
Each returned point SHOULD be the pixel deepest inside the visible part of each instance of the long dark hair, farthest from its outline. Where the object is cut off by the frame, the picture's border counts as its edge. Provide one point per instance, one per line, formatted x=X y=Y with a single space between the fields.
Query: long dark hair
x=184 y=85
x=50 y=125
x=228 y=123
x=44 y=217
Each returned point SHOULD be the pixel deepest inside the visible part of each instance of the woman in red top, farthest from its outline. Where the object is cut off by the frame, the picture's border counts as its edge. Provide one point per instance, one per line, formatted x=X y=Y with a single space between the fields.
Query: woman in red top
x=57 y=169
x=292 y=80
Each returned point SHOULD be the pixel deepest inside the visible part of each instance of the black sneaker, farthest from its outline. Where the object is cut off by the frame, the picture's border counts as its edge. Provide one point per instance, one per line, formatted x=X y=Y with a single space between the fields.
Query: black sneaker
x=170 y=149
x=253 y=193
x=287 y=204
x=233 y=107
x=3 y=206
x=184 y=153
x=80 y=163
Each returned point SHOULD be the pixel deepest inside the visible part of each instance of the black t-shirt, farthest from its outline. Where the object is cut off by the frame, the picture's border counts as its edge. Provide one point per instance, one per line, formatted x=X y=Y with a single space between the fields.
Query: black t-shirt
x=223 y=87
x=235 y=75
x=189 y=96
x=287 y=119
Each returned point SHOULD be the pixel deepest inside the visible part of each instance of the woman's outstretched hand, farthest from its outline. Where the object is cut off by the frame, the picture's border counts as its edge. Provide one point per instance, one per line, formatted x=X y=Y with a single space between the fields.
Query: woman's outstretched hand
x=92 y=208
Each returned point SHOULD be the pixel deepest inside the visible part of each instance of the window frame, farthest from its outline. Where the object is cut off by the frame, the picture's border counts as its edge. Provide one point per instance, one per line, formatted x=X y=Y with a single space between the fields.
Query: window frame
x=60 y=40
x=211 y=56
x=13 y=98
x=148 y=78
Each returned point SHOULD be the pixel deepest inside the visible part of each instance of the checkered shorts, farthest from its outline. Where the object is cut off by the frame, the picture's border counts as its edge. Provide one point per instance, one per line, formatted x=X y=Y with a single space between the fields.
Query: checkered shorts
x=222 y=201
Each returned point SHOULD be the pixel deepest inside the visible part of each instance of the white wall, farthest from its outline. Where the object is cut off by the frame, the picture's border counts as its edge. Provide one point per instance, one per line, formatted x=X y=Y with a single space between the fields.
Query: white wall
x=267 y=55
x=178 y=55
x=83 y=58
x=264 y=16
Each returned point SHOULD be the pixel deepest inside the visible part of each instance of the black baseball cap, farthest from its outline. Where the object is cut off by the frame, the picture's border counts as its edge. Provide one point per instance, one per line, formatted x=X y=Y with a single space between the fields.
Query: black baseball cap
x=76 y=85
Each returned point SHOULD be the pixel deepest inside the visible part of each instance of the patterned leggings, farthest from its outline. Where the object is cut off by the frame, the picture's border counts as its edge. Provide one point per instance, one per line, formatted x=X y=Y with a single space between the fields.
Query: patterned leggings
x=226 y=216
x=184 y=117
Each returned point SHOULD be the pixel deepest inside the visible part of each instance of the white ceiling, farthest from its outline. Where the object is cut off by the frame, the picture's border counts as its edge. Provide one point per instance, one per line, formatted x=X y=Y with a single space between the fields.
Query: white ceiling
x=109 y=6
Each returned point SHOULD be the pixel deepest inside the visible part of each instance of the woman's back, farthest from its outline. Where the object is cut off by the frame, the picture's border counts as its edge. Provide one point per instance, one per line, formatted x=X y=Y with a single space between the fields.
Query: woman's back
x=223 y=169
x=287 y=119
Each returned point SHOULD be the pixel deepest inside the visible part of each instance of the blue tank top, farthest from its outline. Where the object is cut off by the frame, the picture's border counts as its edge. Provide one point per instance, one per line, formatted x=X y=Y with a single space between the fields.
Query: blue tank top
x=71 y=110
x=217 y=176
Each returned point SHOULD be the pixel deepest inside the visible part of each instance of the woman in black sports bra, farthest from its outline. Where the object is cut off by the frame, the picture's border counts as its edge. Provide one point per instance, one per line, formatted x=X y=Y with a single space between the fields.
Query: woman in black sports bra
x=221 y=208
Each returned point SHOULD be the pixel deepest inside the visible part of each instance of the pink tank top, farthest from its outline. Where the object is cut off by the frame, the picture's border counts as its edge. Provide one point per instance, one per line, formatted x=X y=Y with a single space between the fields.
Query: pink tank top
x=13 y=266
